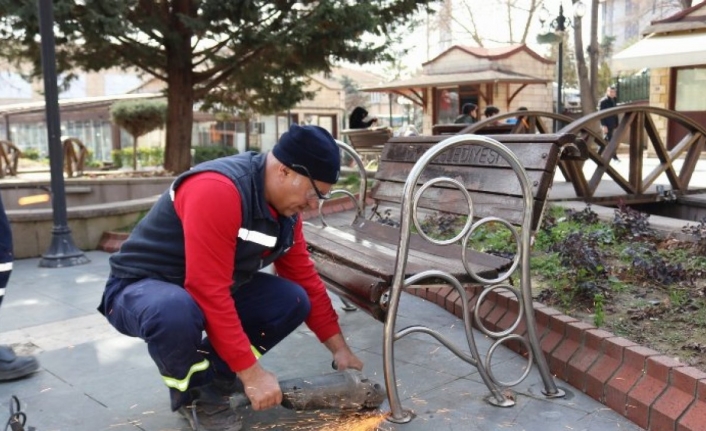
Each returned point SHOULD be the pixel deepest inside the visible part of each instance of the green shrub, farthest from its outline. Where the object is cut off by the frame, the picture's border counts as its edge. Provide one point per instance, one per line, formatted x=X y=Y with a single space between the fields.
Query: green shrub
x=31 y=154
x=202 y=154
x=138 y=117
x=117 y=157
x=151 y=156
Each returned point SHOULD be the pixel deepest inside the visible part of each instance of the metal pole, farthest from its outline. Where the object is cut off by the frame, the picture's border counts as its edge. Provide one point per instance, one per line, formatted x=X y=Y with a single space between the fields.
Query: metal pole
x=560 y=28
x=62 y=251
x=7 y=128
x=389 y=98
x=560 y=73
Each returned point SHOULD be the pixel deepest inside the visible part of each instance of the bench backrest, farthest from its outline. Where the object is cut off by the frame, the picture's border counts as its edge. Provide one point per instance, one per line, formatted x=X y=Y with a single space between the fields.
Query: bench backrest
x=493 y=186
x=366 y=139
x=9 y=158
x=452 y=129
x=75 y=154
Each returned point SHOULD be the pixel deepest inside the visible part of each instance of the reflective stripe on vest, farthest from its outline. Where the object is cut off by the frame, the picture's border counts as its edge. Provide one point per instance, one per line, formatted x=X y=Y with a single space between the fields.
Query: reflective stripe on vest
x=255 y=352
x=244 y=234
x=257 y=237
x=183 y=384
x=5 y=267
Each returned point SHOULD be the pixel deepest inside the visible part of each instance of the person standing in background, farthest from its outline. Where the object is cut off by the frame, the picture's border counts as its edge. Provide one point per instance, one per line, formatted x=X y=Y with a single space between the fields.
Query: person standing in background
x=11 y=366
x=490 y=111
x=608 y=124
x=469 y=114
x=357 y=119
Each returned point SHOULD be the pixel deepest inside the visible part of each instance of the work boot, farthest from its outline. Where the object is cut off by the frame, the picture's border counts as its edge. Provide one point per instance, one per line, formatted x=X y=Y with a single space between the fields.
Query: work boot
x=211 y=411
x=14 y=367
x=228 y=385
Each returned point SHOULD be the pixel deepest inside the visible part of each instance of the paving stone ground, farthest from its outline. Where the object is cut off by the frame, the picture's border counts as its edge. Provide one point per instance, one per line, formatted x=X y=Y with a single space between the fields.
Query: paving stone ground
x=93 y=378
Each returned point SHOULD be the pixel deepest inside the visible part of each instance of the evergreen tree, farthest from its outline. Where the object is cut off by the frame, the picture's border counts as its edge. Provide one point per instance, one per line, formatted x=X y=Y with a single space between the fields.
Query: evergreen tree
x=238 y=53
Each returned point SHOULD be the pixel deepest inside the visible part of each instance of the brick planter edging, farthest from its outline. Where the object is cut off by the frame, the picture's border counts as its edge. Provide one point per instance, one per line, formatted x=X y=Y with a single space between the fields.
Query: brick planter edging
x=654 y=391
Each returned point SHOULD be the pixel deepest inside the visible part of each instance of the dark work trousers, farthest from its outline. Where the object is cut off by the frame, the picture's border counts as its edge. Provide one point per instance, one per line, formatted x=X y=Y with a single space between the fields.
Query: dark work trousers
x=5 y=251
x=168 y=319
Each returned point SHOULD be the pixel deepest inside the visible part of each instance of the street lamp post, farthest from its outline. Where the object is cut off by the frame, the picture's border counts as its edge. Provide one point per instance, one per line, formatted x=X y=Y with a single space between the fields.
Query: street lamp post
x=62 y=251
x=559 y=25
x=559 y=30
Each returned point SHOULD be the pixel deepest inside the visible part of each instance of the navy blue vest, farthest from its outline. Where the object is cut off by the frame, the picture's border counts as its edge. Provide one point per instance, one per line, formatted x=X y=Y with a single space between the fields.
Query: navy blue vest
x=155 y=248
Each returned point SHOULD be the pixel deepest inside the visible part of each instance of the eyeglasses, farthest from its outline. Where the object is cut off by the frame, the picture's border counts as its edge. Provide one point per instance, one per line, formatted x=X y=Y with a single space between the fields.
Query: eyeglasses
x=320 y=195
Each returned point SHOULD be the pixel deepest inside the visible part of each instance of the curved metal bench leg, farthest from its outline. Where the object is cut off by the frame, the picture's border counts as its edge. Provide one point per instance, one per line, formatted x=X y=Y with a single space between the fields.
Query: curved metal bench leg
x=347 y=306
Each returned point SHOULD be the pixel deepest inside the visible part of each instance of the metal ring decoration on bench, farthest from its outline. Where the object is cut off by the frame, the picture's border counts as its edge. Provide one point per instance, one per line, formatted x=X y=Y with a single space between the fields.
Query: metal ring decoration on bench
x=333 y=193
x=489 y=357
x=362 y=193
x=481 y=297
x=515 y=261
x=415 y=215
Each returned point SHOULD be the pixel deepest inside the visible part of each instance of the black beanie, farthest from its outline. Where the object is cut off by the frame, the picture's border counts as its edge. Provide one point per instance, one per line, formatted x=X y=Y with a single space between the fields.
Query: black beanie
x=312 y=147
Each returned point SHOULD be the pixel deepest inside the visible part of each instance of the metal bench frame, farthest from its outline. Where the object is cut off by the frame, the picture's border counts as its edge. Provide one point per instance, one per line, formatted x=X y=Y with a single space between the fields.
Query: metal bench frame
x=410 y=217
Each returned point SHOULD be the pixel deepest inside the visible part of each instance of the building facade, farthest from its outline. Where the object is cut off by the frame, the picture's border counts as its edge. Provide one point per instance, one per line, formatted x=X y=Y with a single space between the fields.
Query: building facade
x=85 y=112
x=624 y=20
x=507 y=77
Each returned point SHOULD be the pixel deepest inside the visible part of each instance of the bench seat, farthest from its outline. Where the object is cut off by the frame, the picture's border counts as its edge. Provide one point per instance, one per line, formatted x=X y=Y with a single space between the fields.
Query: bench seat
x=357 y=262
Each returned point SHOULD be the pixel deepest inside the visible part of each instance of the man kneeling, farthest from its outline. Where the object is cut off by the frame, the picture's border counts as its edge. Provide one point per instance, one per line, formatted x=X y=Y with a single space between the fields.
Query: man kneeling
x=192 y=265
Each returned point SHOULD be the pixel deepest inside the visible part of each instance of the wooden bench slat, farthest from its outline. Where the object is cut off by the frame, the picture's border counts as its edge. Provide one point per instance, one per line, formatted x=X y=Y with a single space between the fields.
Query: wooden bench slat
x=484 y=204
x=533 y=156
x=345 y=246
x=559 y=139
x=479 y=180
x=421 y=247
x=363 y=290
x=363 y=285
x=323 y=243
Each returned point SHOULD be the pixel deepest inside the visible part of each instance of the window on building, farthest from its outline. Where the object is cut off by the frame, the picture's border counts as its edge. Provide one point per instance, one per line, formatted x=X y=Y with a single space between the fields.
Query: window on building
x=447 y=106
x=690 y=87
x=376 y=98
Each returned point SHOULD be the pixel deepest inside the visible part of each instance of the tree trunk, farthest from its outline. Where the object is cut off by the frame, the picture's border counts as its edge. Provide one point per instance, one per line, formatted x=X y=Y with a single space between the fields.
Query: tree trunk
x=581 y=70
x=180 y=118
x=134 y=153
x=594 y=55
x=180 y=91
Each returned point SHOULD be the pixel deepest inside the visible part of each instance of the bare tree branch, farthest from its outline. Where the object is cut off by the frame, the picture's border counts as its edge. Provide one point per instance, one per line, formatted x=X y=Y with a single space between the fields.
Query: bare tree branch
x=473 y=29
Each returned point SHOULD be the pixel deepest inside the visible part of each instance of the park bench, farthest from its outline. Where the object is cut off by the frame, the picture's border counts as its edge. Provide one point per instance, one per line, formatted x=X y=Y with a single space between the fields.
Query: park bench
x=367 y=141
x=9 y=157
x=369 y=263
x=75 y=154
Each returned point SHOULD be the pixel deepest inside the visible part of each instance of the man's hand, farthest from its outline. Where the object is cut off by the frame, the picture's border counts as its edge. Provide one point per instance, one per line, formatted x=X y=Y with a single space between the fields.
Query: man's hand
x=261 y=387
x=343 y=358
x=604 y=129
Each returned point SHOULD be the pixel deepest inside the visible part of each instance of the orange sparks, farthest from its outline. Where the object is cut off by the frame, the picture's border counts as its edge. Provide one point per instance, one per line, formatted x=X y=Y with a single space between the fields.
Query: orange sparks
x=321 y=421
x=359 y=423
